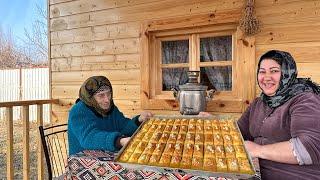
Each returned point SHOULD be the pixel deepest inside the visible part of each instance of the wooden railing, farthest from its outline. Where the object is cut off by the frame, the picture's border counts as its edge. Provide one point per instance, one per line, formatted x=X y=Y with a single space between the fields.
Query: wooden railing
x=25 y=120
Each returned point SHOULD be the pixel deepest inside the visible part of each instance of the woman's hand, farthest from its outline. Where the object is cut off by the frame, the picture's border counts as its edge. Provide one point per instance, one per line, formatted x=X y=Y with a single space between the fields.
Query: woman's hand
x=124 y=141
x=253 y=149
x=145 y=115
x=205 y=114
x=279 y=152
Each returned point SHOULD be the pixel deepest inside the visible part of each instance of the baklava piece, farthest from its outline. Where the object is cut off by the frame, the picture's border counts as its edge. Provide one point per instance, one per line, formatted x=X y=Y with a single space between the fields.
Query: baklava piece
x=198 y=139
x=125 y=156
x=181 y=138
x=229 y=150
x=209 y=164
x=208 y=129
x=169 y=149
x=164 y=137
x=209 y=151
x=184 y=122
x=185 y=162
x=240 y=152
x=232 y=165
x=134 y=157
x=222 y=165
x=183 y=129
x=158 y=149
x=172 y=138
x=188 y=149
x=165 y=160
x=198 y=150
x=227 y=139
x=217 y=139
x=144 y=159
x=140 y=147
x=197 y=163
x=191 y=128
x=154 y=160
x=167 y=128
x=178 y=149
x=175 y=161
x=150 y=148
x=244 y=166
x=190 y=138
x=208 y=139
x=219 y=150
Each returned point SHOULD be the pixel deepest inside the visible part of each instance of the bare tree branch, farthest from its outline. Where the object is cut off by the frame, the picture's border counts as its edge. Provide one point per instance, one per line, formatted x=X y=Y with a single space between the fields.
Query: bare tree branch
x=10 y=55
x=36 y=39
x=34 y=49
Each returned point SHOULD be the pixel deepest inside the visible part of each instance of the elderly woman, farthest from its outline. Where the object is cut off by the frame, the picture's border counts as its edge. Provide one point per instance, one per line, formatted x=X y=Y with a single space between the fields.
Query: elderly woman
x=282 y=126
x=95 y=122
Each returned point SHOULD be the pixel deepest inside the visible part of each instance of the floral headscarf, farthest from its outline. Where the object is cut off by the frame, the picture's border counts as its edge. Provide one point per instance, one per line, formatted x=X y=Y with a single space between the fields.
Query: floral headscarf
x=91 y=86
x=290 y=85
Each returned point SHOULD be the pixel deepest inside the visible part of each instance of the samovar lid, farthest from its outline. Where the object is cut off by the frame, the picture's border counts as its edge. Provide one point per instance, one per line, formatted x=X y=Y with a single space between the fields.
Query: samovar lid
x=192 y=84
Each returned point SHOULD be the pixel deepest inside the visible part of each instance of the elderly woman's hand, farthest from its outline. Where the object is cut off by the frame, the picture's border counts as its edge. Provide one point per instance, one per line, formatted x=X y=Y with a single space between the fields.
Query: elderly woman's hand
x=124 y=141
x=145 y=115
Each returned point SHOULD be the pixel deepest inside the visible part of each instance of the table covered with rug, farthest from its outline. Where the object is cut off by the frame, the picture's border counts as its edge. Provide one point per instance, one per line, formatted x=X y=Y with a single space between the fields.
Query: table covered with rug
x=90 y=165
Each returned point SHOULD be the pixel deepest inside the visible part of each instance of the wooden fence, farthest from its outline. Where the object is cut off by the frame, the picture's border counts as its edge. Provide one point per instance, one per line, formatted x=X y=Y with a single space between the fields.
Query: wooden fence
x=24 y=84
x=8 y=107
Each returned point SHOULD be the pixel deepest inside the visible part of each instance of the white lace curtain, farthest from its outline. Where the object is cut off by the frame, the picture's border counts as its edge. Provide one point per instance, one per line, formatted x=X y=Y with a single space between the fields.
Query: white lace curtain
x=174 y=52
x=212 y=49
x=217 y=49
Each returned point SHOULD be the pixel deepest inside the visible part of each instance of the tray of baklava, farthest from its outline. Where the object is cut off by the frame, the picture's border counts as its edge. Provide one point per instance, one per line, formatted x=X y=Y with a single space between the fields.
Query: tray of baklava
x=188 y=144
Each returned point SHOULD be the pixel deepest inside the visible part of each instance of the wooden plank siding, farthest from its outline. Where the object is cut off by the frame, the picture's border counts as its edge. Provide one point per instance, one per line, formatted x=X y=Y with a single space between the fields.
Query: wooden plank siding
x=97 y=37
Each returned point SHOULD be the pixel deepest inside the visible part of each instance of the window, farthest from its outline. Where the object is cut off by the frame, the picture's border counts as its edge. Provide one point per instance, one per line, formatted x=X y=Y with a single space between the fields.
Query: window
x=217 y=51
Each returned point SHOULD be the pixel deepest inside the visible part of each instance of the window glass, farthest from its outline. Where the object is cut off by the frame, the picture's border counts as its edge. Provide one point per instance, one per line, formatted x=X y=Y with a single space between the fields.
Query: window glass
x=219 y=78
x=175 y=51
x=216 y=48
x=173 y=77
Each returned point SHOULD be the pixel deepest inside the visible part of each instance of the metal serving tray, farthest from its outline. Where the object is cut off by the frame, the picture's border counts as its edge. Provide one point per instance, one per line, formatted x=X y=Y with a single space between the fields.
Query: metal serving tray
x=187 y=171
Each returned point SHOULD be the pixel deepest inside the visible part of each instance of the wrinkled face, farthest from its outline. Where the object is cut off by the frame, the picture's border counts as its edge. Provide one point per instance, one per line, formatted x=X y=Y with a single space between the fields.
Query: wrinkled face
x=269 y=76
x=103 y=98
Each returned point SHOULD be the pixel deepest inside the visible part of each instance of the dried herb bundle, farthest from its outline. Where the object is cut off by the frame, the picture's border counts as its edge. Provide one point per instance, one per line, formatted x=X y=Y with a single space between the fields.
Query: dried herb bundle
x=249 y=23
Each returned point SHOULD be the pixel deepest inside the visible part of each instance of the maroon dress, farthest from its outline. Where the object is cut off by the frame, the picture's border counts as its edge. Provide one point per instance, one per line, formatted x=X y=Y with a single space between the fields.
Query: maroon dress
x=299 y=118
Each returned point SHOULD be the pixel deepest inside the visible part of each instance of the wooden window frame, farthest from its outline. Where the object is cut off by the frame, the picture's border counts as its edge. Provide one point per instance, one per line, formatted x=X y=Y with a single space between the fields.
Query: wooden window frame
x=243 y=57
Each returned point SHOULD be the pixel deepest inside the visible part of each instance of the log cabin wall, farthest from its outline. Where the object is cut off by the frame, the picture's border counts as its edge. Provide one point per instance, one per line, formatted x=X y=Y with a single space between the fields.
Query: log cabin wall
x=99 y=37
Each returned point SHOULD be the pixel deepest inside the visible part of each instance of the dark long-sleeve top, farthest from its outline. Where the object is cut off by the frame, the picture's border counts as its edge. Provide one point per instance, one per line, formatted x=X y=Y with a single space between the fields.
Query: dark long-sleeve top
x=299 y=118
x=89 y=131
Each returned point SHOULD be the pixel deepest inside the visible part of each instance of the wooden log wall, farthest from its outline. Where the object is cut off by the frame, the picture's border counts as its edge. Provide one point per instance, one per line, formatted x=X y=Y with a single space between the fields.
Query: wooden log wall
x=98 y=37
x=292 y=26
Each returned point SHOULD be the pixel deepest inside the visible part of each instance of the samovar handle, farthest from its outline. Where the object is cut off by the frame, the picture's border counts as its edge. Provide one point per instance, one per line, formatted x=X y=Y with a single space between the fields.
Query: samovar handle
x=210 y=94
x=176 y=93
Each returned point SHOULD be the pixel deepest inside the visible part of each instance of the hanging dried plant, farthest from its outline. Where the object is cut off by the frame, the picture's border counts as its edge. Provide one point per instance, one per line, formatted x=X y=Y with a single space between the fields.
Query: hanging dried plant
x=249 y=23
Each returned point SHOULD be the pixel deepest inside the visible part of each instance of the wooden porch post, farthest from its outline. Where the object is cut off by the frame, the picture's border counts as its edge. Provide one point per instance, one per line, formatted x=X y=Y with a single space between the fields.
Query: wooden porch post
x=26 y=148
x=40 y=149
x=9 y=120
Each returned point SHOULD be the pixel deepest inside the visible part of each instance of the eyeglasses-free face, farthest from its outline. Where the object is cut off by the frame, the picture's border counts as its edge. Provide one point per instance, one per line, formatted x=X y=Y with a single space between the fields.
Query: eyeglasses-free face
x=103 y=98
x=269 y=76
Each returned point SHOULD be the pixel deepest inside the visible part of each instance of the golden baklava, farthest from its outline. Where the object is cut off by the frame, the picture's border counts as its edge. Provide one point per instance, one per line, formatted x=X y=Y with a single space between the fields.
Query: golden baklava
x=167 y=128
x=134 y=157
x=197 y=162
x=209 y=164
x=208 y=145
x=165 y=160
x=181 y=138
x=221 y=164
x=232 y=165
x=185 y=162
x=175 y=161
x=144 y=159
x=244 y=166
